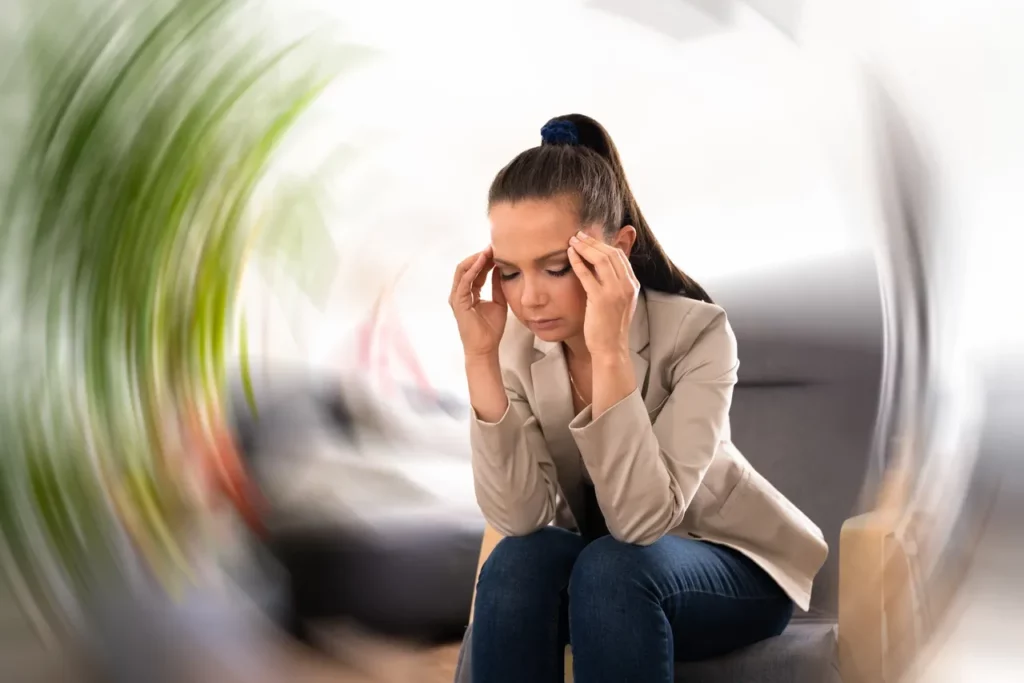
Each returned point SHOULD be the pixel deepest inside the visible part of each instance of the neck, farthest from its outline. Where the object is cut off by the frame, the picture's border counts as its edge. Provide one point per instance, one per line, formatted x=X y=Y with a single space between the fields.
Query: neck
x=577 y=348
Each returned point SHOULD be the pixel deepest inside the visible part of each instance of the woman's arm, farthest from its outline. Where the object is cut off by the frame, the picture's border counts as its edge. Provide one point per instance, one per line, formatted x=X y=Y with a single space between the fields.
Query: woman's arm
x=486 y=389
x=514 y=476
x=613 y=380
x=645 y=475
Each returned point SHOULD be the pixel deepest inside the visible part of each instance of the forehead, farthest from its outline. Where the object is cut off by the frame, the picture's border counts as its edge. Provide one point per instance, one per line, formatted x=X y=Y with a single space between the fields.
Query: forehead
x=525 y=230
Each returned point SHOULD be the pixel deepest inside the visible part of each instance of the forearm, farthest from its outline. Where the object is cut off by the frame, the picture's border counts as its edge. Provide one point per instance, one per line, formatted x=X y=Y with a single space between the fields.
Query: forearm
x=515 y=496
x=631 y=478
x=634 y=487
x=512 y=470
x=613 y=380
x=486 y=389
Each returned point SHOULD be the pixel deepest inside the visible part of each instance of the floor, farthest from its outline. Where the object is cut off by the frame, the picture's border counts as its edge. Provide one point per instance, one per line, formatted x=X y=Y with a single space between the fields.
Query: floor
x=359 y=659
x=264 y=657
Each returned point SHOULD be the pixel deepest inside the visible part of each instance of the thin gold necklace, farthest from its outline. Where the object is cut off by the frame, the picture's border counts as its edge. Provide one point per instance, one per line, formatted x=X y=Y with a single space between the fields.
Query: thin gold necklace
x=572 y=382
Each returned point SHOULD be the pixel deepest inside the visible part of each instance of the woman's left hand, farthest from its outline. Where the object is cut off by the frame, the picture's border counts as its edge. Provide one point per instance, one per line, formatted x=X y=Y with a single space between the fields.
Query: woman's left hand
x=612 y=290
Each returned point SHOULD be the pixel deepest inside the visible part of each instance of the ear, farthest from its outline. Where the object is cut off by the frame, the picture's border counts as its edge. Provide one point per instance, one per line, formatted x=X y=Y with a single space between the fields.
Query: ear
x=624 y=239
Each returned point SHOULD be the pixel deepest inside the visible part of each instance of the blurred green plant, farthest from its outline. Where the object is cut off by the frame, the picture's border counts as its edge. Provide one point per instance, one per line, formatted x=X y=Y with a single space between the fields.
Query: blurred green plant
x=137 y=191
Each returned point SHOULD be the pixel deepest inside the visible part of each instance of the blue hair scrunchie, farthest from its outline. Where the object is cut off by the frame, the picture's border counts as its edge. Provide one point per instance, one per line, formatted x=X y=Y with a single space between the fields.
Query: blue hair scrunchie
x=560 y=132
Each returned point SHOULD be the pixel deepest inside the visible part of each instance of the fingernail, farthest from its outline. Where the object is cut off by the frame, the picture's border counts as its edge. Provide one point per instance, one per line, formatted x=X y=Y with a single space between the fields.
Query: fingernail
x=574 y=239
x=581 y=234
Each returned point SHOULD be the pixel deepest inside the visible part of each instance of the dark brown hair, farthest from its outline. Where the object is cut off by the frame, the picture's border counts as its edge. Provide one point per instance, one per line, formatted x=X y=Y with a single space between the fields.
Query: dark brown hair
x=578 y=160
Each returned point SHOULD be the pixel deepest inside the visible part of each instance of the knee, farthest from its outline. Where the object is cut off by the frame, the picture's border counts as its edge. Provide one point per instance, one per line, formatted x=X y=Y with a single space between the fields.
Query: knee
x=525 y=563
x=605 y=569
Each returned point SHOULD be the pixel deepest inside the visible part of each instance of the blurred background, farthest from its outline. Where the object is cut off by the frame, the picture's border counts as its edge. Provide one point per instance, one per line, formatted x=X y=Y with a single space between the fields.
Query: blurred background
x=841 y=176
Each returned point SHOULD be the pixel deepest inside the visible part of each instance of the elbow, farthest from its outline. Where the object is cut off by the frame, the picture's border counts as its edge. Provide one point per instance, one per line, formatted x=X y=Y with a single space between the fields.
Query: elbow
x=515 y=528
x=645 y=525
x=516 y=523
x=643 y=532
x=640 y=537
x=516 y=517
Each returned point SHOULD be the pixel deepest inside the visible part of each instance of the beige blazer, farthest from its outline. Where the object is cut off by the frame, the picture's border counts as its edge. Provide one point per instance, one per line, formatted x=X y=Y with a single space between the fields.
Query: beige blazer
x=661 y=460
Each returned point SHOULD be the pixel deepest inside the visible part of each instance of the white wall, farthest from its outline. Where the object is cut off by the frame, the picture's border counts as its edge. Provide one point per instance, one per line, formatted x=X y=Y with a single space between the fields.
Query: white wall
x=734 y=143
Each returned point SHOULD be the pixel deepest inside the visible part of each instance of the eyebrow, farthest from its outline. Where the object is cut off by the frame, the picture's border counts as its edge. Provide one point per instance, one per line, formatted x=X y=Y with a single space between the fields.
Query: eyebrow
x=545 y=257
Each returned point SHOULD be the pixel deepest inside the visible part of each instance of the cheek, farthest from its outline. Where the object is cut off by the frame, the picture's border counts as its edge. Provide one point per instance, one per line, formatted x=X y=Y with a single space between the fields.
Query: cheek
x=571 y=294
x=513 y=295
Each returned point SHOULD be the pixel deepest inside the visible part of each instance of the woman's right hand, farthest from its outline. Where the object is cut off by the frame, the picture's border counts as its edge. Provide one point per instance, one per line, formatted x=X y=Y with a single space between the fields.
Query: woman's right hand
x=481 y=322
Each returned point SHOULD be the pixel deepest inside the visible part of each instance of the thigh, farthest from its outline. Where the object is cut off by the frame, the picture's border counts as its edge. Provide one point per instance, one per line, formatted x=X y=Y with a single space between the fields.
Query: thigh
x=716 y=599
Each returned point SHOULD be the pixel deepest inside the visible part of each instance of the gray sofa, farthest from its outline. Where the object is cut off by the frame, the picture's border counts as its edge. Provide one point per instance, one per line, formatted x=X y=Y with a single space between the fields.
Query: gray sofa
x=804 y=414
x=363 y=544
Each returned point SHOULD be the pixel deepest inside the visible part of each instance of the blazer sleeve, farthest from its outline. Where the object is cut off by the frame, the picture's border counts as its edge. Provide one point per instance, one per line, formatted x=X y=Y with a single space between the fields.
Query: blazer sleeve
x=513 y=473
x=645 y=475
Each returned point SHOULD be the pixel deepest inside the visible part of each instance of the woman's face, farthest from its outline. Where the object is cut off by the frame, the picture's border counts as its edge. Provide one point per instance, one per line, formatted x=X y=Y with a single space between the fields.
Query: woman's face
x=530 y=239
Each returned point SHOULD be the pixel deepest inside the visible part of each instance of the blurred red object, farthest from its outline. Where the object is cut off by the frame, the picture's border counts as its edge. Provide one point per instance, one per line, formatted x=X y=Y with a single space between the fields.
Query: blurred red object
x=224 y=474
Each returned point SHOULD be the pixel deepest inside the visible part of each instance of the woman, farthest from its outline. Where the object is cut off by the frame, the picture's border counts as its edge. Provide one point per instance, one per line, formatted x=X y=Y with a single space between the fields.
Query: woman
x=635 y=530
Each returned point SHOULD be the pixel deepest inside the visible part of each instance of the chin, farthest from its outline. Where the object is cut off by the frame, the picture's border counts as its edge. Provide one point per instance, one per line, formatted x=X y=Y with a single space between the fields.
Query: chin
x=558 y=330
x=551 y=335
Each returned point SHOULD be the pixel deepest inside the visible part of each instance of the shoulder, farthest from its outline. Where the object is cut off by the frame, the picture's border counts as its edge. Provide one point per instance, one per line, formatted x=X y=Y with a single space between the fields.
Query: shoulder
x=681 y=327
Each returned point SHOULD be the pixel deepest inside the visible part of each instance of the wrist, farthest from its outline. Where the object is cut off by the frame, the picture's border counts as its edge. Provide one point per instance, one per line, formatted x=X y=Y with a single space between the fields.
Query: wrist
x=610 y=359
x=486 y=389
x=614 y=380
x=481 y=360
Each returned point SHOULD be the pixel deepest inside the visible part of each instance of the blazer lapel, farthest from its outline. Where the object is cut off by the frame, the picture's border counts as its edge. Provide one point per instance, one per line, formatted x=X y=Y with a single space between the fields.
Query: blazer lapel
x=554 y=412
x=639 y=341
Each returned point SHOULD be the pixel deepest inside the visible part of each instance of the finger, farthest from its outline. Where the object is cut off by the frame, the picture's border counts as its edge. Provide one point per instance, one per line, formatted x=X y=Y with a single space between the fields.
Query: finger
x=497 y=290
x=475 y=277
x=616 y=257
x=460 y=270
x=462 y=290
x=598 y=255
x=627 y=267
x=481 y=277
x=465 y=264
x=590 y=284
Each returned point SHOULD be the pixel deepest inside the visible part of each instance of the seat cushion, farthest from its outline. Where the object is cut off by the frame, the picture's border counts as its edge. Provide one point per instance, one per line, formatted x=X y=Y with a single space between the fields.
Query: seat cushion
x=804 y=653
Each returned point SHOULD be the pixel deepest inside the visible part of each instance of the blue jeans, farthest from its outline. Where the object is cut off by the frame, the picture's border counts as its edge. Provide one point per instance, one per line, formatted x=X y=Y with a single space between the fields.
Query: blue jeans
x=630 y=612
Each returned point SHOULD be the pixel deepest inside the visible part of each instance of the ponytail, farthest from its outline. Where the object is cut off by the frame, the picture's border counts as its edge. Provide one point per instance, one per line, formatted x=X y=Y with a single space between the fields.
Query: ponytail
x=579 y=159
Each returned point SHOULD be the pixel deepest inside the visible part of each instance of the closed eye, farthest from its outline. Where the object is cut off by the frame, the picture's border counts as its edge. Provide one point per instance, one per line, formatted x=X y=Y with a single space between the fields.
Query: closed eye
x=553 y=273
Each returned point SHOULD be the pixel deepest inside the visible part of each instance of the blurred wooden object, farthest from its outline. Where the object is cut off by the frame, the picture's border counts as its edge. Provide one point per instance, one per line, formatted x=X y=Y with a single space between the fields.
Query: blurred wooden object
x=490 y=540
x=879 y=609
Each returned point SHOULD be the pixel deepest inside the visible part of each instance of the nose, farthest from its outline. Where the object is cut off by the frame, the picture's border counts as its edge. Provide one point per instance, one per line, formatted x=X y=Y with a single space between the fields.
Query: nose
x=534 y=295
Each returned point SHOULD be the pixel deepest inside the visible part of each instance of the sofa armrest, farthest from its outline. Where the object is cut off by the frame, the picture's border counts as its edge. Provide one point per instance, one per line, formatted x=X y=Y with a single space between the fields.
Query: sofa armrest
x=877 y=627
